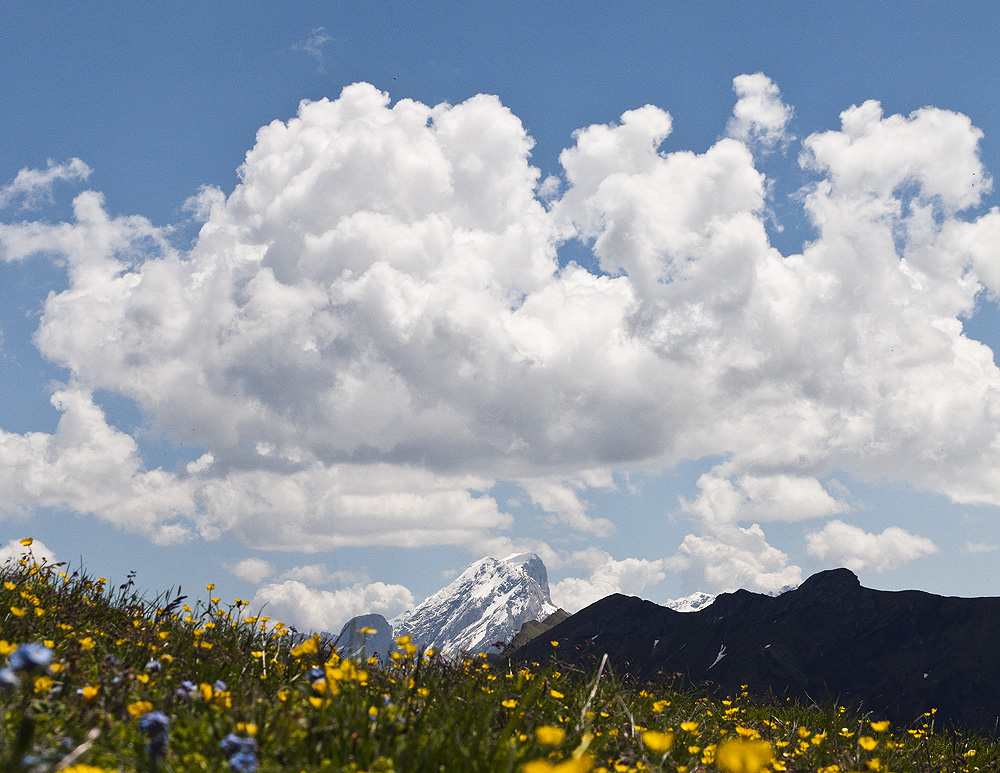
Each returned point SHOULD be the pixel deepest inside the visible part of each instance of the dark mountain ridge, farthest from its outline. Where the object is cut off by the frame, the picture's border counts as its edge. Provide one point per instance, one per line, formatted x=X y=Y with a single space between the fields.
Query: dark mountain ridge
x=897 y=654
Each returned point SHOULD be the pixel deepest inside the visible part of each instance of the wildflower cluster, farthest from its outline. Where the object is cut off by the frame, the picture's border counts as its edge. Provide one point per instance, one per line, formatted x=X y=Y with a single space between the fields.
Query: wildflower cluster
x=94 y=680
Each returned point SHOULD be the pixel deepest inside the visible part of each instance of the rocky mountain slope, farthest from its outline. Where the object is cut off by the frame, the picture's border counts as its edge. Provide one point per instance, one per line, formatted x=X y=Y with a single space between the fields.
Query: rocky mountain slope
x=898 y=654
x=356 y=641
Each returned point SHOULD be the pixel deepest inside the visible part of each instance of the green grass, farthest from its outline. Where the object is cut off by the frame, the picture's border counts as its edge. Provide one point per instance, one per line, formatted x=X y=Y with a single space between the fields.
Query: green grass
x=307 y=710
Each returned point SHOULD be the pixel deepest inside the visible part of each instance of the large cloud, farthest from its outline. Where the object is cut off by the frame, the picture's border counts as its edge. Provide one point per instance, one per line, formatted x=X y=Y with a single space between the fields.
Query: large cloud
x=607 y=575
x=841 y=544
x=309 y=609
x=373 y=327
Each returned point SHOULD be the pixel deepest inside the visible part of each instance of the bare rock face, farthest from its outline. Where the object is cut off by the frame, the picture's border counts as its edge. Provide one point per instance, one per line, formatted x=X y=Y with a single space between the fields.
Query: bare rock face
x=487 y=604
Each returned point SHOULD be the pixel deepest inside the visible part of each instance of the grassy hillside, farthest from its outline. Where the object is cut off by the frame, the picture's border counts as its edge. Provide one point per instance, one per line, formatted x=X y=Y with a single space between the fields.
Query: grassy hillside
x=99 y=678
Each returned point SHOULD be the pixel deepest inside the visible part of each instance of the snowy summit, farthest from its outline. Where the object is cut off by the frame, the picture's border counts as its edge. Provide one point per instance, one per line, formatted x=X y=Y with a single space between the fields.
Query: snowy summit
x=486 y=604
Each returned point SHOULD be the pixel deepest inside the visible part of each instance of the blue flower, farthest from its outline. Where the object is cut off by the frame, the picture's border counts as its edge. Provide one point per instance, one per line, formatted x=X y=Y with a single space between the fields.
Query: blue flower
x=243 y=763
x=219 y=686
x=154 y=666
x=315 y=674
x=241 y=753
x=30 y=657
x=154 y=722
x=156 y=725
x=9 y=680
x=234 y=744
x=187 y=689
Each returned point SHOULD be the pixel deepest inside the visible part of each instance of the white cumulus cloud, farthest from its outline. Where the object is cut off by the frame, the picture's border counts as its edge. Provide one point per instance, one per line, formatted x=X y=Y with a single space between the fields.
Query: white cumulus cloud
x=732 y=557
x=841 y=544
x=760 y=116
x=252 y=570
x=605 y=576
x=33 y=187
x=373 y=328
x=308 y=609
x=15 y=551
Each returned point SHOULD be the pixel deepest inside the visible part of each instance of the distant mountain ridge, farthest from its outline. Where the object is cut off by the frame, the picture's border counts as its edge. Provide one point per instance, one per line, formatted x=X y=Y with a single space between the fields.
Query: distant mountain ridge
x=487 y=604
x=898 y=654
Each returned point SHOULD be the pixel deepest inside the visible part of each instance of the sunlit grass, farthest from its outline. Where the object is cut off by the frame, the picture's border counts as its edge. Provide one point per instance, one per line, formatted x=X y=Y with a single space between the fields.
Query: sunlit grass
x=100 y=678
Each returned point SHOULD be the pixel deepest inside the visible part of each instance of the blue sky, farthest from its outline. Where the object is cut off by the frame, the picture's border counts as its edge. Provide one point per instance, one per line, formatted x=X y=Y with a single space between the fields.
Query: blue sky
x=725 y=336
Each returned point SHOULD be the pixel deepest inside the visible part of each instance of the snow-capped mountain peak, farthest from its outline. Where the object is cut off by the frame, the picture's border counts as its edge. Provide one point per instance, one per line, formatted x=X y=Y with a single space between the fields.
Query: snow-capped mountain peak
x=487 y=603
x=692 y=603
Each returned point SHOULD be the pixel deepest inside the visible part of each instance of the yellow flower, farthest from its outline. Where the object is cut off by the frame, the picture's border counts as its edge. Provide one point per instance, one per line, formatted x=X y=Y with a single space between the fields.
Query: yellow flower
x=9 y=585
x=582 y=764
x=81 y=768
x=308 y=647
x=867 y=742
x=210 y=586
x=658 y=742
x=18 y=611
x=873 y=764
x=548 y=735
x=743 y=756
x=509 y=703
x=556 y=694
x=139 y=708
x=554 y=643
x=368 y=631
x=44 y=683
x=27 y=542
x=89 y=693
x=880 y=727
x=747 y=732
x=689 y=727
x=247 y=727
